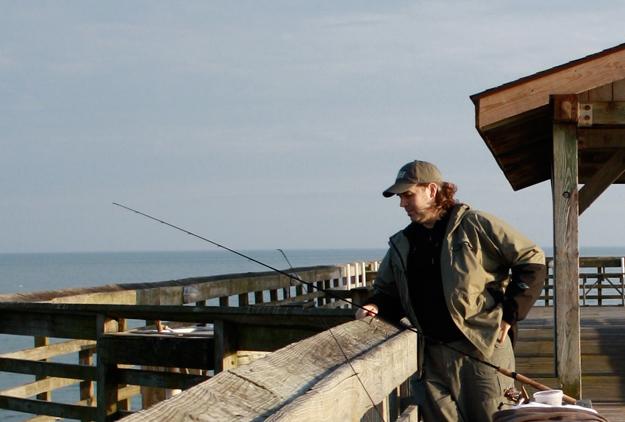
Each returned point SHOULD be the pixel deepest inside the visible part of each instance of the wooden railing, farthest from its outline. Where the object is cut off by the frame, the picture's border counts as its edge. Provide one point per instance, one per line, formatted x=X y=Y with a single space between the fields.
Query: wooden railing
x=336 y=375
x=601 y=282
x=257 y=312
x=248 y=315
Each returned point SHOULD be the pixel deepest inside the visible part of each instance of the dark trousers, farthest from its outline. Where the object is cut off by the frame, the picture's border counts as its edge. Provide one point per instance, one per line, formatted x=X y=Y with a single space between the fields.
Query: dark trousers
x=455 y=388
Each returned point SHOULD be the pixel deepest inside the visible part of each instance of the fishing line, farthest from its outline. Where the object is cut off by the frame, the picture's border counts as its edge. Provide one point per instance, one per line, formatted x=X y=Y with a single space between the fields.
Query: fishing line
x=512 y=374
x=338 y=344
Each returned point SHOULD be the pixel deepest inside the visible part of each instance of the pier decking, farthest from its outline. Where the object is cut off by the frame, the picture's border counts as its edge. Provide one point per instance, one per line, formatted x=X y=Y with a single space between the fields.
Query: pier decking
x=603 y=350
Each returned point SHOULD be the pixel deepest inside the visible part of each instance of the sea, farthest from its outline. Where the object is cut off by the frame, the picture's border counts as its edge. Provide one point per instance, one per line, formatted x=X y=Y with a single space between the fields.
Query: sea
x=31 y=272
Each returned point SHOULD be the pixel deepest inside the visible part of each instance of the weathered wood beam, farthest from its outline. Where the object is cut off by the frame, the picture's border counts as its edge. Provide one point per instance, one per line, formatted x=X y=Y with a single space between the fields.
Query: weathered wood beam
x=600 y=138
x=533 y=92
x=397 y=358
x=602 y=113
x=51 y=369
x=602 y=179
x=52 y=350
x=160 y=379
x=23 y=321
x=566 y=252
x=165 y=350
x=60 y=410
x=38 y=387
x=211 y=286
x=313 y=368
x=80 y=315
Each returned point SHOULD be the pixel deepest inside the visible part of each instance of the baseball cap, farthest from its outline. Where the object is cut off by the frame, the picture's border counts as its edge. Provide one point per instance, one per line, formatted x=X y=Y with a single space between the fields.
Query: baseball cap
x=411 y=174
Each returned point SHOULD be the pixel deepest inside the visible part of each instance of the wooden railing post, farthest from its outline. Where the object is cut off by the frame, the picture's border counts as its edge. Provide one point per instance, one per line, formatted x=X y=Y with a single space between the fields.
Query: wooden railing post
x=42 y=341
x=106 y=373
x=85 y=357
x=225 y=345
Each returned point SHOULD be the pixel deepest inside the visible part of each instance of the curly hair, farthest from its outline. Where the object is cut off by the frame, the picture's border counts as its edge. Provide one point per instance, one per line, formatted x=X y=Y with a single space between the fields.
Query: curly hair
x=445 y=200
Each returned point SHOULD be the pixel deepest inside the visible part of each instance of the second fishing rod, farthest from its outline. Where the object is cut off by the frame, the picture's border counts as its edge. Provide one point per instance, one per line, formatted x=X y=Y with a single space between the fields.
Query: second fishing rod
x=504 y=371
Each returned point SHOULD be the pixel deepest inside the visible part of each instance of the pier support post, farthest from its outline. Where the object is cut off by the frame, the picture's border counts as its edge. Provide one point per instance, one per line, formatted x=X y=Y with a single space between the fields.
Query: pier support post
x=225 y=345
x=566 y=237
x=106 y=374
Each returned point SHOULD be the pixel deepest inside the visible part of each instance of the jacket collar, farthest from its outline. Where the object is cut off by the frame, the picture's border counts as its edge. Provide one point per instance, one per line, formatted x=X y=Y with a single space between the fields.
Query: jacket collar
x=457 y=213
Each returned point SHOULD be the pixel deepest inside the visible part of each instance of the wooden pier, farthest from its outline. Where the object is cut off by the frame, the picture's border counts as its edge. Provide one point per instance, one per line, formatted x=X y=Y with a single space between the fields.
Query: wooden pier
x=104 y=329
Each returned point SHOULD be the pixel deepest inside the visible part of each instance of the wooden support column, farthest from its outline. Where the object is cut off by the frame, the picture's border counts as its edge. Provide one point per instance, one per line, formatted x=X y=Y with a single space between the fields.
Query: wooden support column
x=85 y=357
x=566 y=252
x=106 y=374
x=42 y=341
x=225 y=345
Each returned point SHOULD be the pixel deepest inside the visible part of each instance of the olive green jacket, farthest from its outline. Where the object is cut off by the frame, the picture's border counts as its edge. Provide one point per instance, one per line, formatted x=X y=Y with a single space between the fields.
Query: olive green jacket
x=477 y=253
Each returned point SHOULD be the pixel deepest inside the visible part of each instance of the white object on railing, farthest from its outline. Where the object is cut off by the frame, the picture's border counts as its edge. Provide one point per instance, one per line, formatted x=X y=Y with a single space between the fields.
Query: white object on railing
x=550 y=397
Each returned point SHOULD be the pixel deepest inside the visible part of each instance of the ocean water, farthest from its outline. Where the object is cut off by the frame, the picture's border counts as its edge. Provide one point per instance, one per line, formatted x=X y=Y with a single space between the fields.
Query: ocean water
x=20 y=273
x=49 y=271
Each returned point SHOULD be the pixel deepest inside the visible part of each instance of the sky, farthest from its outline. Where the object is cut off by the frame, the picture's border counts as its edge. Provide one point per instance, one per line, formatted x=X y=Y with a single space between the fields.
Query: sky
x=266 y=124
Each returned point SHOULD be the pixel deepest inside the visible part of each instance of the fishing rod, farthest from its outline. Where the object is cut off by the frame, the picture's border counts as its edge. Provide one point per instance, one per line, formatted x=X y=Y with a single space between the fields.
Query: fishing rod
x=511 y=374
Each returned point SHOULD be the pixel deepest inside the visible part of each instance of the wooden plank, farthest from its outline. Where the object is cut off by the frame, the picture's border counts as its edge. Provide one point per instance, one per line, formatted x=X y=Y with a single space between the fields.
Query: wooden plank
x=340 y=396
x=513 y=99
x=262 y=315
x=183 y=351
x=39 y=407
x=52 y=350
x=131 y=293
x=409 y=415
x=601 y=180
x=255 y=391
x=566 y=271
x=38 y=387
x=270 y=338
x=51 y=369
x=125 y=297
x=618 y=88
x=29 y=323
x=606 y=113
x=42 y=418
x=601 y=93
x=161 y=379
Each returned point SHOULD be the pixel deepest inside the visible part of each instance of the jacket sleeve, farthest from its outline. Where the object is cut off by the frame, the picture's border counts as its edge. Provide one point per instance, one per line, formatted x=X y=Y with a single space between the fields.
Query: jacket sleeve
x=526 y=262
x=385 y=295
x=524 y=288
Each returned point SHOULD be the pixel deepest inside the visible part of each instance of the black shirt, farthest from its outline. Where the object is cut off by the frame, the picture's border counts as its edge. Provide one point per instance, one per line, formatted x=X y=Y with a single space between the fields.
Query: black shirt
x=425 y=282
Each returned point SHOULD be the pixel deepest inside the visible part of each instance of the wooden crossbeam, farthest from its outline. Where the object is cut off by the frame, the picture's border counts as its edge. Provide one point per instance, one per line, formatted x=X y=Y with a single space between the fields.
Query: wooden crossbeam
x=602 y=179
x=51 y=369
x=602 y=113
x=598 y=138
x=52 y=350
x=70 y=411
x=38 y=387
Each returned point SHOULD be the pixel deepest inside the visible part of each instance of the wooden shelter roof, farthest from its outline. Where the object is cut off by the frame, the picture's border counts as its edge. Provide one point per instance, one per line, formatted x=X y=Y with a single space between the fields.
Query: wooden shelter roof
x=516 y=119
